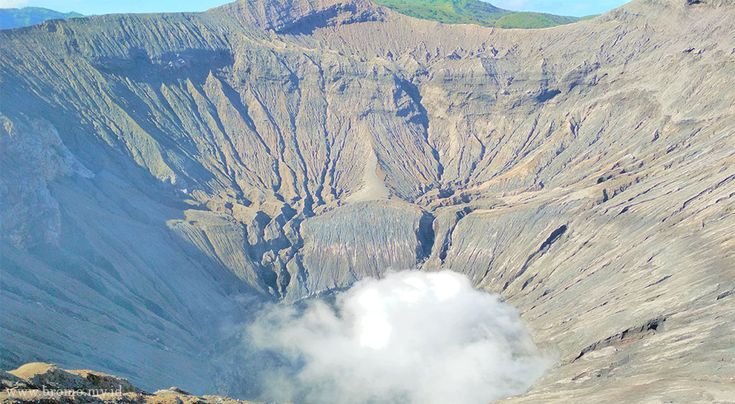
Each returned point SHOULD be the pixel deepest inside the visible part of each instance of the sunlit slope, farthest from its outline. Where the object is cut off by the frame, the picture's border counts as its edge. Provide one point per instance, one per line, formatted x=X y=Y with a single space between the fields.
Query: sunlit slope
x=474 y=12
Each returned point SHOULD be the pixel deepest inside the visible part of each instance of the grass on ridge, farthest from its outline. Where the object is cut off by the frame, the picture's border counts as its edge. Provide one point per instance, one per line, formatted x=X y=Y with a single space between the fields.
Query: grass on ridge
x=473 y=12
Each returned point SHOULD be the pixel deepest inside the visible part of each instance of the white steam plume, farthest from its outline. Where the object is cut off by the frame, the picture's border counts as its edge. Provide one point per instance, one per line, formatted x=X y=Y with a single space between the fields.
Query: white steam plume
x=412 y=337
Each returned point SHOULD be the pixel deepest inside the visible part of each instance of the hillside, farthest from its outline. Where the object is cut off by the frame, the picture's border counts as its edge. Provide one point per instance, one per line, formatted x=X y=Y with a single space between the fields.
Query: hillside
x=474 y=12
x=26 y=16
x=165 y=175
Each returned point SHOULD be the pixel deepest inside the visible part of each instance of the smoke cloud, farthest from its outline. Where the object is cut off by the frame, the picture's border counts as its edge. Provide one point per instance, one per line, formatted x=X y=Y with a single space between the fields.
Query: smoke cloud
x=412 y=337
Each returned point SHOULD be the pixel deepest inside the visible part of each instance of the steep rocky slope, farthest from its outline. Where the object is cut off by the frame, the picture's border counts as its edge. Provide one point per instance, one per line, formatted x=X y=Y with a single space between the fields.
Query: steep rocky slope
x=164 y=174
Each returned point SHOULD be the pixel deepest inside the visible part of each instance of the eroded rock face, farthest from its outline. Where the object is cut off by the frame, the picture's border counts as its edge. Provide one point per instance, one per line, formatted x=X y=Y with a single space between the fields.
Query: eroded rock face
x=176 y=170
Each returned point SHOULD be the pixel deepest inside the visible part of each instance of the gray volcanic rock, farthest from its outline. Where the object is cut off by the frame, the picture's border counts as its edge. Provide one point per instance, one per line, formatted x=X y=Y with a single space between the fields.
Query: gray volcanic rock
x=165 y=174
x=9 y=381
x=304 y=16
x=364 y=239
x=43 y=382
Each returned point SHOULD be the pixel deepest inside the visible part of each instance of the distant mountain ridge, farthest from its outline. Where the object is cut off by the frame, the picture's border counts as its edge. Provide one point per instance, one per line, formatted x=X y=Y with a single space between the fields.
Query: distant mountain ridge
x=445 y=11
x=474 y=12
x=27 y=16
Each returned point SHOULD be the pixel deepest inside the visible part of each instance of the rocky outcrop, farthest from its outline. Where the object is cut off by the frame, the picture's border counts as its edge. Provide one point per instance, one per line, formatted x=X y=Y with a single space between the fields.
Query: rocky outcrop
x=178 y=170
x=302 y=17
x=32 y=155
x=49 y=376
x=43 y=382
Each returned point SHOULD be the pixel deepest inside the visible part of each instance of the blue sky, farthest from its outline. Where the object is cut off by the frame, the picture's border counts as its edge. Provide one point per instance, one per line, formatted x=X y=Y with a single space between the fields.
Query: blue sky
x=564 y=7
x=577 y=8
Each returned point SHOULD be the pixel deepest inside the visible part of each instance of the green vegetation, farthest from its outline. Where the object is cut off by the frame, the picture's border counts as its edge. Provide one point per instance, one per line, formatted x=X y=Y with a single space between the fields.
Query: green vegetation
x=532 y=20
x=23 y=17
x=473 y=12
